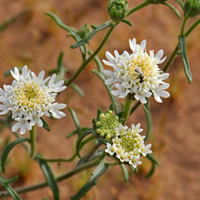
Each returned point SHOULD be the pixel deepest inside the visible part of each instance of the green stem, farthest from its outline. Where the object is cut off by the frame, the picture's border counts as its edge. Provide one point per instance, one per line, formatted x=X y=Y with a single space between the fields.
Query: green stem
x=59 y=178
x=184 y=24
x=196 y=23
x=83 y=143
x=142 y=5
x=33 y=142
x=170 y=60
x=84 y=64
x=135 y=107
x=127 y=109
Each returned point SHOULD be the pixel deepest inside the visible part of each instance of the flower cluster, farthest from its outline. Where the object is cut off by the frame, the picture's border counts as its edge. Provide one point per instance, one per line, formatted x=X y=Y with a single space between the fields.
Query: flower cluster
x=137 y=75
x=29 y=98
x=106 y=124
x=128 y=145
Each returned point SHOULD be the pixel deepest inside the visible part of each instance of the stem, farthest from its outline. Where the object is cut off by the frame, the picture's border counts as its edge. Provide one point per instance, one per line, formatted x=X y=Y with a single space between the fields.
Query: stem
x=142 y=5
x=59 y=178
x=184 y=24
x=192 y=27
x=169 y=62
x=84 y=64
x=127 y=109
x=33 y=142
x=135 y=107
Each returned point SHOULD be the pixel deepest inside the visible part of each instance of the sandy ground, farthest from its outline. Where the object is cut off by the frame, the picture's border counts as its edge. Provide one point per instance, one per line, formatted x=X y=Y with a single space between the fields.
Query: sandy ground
x=35 y=39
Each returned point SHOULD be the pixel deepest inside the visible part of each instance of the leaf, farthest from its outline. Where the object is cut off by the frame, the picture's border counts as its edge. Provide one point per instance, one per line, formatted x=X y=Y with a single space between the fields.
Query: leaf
x=49 y=177
x=8 y=149
x=149 y=123
x=127 y=22
x=182 y=42
x=98 y=172
x=113 y=98
x=153 y=167
x=76 y=121
x=125 y=172
x=103 y=141
x=45 y=125
x=77 y=89
x=92 y=33
x=75 y=132
x=152 y=158
x=174 y=9
x=11 y=191
x=80 y=138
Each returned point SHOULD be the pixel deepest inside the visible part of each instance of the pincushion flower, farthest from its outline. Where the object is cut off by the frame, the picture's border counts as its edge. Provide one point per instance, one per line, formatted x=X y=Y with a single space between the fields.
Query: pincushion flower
x=137 y=74
x=30 y=97
x=128 y=145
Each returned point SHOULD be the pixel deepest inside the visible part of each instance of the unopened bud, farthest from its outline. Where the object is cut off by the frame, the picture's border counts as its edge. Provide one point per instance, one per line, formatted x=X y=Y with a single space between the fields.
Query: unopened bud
x=117 y=10
x=84 y=31
x=192 y=8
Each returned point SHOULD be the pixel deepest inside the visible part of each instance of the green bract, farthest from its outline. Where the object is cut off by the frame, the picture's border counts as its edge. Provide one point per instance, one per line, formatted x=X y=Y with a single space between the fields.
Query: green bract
x=191 y=8
x=117 y=10
x=84 y=31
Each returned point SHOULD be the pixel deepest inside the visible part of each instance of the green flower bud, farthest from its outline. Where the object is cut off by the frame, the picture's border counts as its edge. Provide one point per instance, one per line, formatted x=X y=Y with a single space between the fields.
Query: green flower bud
x=157 y=1
x=192 y=8
x=84 y=31
x=117 y=10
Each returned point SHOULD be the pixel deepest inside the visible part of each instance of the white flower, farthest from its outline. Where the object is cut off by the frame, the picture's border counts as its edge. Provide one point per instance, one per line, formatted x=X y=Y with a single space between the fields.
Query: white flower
x=111 y=149
x=144 y=150
x=128 y=145
x=30 y=97
x=137 y=74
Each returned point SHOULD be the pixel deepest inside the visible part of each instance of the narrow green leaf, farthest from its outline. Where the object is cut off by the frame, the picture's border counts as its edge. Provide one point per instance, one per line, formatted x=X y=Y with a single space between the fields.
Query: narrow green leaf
x=174 y=9
x=149 y=123
x=98 y=172
x=103 y=141
x=76 y=121
x=113 y=98
x=180 y=3
x=111 y=107
x=133 y=169
x=91 y=34
x=99 y=111
x=152 y=159
x=75 y=132
x=51 y=180
x=45 y=125
x=125 y=172
x=60 y=65
x=80 y=138
x=127 y=22
x=182 y=42
x=8 y=149
x=153 y=167
x=11 y=191
x=77 y=89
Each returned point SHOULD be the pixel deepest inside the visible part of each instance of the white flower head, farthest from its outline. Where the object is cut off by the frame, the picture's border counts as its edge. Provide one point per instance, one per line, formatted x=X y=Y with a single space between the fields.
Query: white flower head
x=30 y=97
x=137 y=74
x=128 y=145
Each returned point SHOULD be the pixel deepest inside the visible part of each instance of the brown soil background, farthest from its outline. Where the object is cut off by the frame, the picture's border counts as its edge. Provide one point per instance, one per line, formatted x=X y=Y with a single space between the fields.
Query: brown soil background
x=35 y=39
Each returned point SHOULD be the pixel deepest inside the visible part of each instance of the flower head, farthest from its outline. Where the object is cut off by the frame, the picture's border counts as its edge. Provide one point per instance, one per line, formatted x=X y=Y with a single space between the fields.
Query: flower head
x=29 y=98
x=128 y=145
x=137 y=75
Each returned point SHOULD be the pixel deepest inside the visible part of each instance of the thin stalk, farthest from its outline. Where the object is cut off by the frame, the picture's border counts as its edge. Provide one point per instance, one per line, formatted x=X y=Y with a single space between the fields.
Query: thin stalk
x=135 y=107
x=196 y=23
x=142 y=5
x=59 y=178
x=84 y=64
x=83 y=143
x=127 y=109
x=184 y=24
x=113 y=163
x=32 y=142
x=170 y=60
